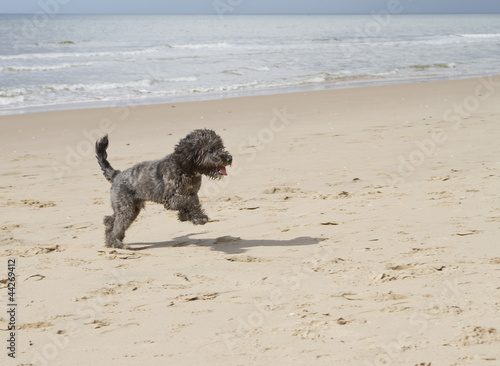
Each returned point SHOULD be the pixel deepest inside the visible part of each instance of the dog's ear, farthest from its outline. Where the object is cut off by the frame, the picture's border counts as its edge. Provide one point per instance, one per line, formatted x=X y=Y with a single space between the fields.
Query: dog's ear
x=186 y=150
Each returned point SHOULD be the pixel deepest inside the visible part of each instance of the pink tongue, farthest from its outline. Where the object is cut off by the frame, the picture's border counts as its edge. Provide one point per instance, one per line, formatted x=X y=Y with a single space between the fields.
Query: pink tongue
x=222 y=170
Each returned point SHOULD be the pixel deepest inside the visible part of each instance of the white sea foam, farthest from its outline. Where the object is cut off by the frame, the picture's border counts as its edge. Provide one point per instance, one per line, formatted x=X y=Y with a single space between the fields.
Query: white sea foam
x=182 y=79
x=482 y=36
x=259 y=68
x=94 y=86
x=61 y=66
x=75 y=55
x=9 y=93
x=11 y=100
x=11 y=96
x=217 y=45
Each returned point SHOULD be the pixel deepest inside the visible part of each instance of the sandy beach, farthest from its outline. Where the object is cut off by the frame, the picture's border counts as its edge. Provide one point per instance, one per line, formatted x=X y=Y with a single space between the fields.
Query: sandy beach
x=356 y=227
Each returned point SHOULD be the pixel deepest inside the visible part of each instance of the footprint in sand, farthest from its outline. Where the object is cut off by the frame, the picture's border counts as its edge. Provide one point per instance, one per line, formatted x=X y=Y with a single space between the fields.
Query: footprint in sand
x=476 y=335
x=32 y=251
x=38 y=325
x=33 y=203
x=114 y=254
x=10 y=228
x=96 y=324
x=246 y=259
x=276 y=190
x=396 y=272
x=113 y=289
x=198 y=297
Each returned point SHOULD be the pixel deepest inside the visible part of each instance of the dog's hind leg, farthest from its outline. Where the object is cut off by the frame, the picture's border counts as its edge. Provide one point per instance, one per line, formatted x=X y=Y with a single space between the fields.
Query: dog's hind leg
x=108 y=224
x=125 y=214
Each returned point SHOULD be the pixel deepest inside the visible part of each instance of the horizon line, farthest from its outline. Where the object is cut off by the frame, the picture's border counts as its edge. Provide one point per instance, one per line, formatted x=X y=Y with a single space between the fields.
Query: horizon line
x=239 y=14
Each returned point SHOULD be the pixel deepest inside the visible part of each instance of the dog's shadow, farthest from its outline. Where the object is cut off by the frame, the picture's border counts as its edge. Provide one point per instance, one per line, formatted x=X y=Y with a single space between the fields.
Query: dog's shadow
x=227 y=244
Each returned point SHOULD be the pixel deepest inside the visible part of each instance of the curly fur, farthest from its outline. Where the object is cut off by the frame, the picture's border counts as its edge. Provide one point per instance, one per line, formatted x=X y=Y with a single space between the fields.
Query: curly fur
x=173 y=181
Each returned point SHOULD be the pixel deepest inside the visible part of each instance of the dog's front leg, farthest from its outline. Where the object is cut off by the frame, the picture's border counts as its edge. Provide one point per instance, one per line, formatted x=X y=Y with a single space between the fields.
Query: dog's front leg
x=189 y=209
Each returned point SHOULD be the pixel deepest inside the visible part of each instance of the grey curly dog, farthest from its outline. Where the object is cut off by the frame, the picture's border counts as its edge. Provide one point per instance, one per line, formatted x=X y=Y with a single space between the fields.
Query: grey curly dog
x=173 y=181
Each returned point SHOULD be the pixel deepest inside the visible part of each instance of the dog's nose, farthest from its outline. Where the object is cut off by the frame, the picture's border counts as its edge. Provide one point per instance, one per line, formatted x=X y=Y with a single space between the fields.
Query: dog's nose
x=229 y=159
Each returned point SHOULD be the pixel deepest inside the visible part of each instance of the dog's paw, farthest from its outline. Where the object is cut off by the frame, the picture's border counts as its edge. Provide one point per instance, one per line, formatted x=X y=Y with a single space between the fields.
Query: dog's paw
x=116 y=244
x=202 y=220
x=183 y=216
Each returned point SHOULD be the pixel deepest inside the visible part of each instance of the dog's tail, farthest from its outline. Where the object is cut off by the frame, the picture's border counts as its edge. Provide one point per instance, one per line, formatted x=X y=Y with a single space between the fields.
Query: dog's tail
x=101 y=155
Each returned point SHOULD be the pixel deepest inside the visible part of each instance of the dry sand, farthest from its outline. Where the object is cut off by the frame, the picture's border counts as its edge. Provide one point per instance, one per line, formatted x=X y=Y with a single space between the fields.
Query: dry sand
x=356 y=227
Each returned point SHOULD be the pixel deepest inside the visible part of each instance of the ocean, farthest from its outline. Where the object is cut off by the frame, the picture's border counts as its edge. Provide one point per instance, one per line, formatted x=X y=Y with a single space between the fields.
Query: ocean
x=77 y=61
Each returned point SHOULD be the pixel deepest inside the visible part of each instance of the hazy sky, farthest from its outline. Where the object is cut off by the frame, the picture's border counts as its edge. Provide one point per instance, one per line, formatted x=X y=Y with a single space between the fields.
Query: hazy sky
x=246 y=6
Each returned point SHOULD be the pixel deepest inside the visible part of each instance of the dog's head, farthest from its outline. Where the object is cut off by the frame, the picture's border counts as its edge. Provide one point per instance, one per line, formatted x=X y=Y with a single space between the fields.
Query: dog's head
x=203 y=152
